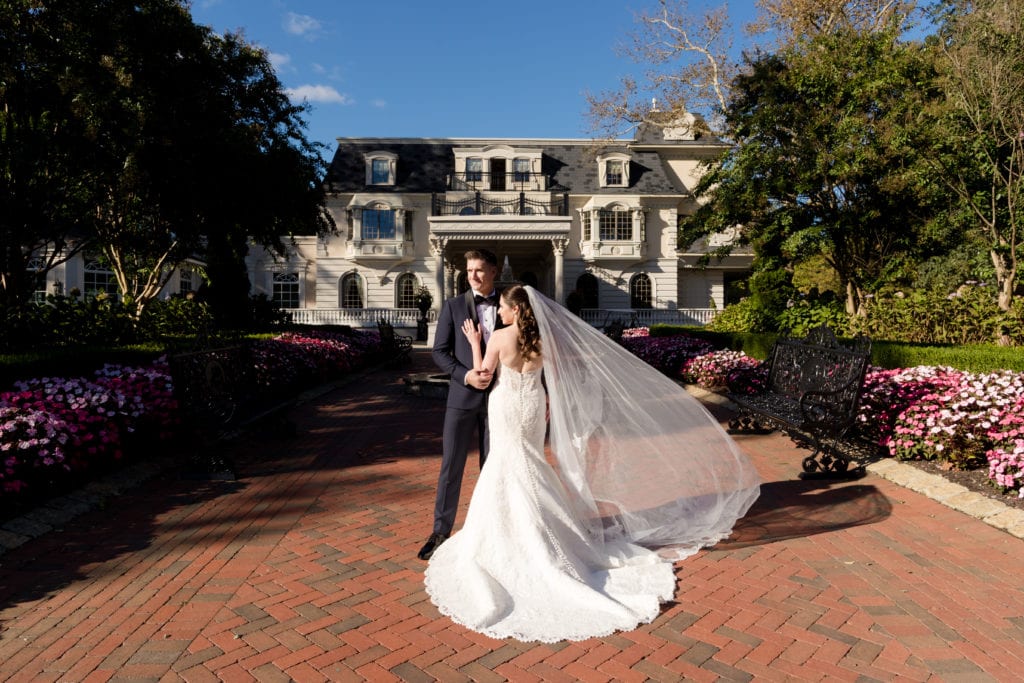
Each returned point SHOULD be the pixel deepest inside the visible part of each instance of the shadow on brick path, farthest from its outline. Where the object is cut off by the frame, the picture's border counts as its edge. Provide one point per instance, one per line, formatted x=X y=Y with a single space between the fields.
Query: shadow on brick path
x=305 y=569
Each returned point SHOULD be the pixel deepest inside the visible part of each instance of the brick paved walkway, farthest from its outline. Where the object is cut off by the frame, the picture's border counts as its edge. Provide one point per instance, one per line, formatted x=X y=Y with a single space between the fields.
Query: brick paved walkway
x=305 y=569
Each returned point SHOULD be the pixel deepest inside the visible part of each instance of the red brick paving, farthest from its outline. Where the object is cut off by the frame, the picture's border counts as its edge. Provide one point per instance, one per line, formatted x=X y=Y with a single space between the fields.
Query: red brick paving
x=305 y=569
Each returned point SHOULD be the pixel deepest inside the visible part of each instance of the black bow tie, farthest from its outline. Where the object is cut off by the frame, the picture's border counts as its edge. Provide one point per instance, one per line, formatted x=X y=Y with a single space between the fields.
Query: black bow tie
x=492 y=299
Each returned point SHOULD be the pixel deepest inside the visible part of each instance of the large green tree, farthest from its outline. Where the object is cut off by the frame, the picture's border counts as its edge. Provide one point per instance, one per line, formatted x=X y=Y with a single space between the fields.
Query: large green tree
x=186 y=137
x=821 y=166
x=46 y=194
x=976 y=133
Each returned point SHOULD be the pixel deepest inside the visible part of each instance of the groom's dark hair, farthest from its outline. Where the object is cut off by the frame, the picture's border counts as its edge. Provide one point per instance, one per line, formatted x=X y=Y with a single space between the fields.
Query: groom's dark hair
x=482 y=255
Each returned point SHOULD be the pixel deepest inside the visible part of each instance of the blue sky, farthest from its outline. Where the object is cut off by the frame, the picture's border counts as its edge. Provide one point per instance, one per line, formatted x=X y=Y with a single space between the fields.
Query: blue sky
x=455 y=68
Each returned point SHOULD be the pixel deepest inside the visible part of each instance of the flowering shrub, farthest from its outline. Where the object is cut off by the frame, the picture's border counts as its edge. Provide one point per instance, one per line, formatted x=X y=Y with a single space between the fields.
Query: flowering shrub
x=667 y=354
x=293 y=358
x=926 y=412
x=957 y=422
x=713 y=370
x=55 y=428
x=636 y=332
x=889 y=393
x=32 y=441
x=1006 y=457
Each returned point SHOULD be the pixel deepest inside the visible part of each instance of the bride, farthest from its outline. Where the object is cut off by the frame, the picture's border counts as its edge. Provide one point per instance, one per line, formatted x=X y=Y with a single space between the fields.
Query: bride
x=643 y=475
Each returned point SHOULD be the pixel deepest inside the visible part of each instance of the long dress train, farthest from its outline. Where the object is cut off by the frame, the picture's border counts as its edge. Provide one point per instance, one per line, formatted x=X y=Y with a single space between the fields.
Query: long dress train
x=522 y=566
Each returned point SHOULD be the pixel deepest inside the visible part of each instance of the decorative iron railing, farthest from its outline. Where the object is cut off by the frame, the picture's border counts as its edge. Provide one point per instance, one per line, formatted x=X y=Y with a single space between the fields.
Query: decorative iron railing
x=480 y=205
x=499 y=182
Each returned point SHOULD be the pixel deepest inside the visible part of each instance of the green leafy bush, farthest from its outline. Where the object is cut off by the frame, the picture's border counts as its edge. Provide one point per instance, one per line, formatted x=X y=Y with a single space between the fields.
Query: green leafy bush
x=805 y=315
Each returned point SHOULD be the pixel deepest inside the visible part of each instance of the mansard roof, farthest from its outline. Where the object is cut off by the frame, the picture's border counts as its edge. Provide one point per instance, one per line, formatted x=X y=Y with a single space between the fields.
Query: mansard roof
x=424 y=164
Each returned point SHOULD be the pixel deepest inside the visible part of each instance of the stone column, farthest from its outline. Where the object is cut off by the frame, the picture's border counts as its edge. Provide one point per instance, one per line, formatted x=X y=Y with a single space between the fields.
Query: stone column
x=437 y=251
x=558 y=247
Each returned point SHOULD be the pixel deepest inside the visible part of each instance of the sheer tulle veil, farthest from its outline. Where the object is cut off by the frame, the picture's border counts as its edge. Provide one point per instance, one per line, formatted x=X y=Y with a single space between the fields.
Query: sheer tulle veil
x=642 y=460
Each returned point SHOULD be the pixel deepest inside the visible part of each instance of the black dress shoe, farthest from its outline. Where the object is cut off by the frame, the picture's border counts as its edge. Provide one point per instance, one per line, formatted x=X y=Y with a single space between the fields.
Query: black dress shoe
x=431 y=545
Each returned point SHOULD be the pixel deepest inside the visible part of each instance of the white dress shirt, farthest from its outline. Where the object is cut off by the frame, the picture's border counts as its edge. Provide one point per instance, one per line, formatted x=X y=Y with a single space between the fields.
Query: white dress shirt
x=487 y=314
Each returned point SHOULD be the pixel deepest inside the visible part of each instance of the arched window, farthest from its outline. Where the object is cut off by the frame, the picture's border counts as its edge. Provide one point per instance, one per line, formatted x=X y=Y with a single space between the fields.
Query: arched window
x=640 y=291
x=461 y=283
x=98 y=279
x=351 y=294
x=378 y=222
x=405 y=291
x=586 y=285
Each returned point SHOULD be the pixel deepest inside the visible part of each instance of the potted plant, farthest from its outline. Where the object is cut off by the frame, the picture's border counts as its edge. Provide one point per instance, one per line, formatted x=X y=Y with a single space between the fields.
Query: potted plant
x=424 y=300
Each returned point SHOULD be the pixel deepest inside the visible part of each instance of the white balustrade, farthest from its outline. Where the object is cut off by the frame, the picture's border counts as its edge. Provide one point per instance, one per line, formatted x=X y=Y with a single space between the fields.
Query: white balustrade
x=357 y=317
x=408 y=317
x=645 y=317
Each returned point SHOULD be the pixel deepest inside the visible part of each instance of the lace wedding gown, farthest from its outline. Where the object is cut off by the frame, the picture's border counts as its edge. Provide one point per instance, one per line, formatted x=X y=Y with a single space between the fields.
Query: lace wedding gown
x=522 y=566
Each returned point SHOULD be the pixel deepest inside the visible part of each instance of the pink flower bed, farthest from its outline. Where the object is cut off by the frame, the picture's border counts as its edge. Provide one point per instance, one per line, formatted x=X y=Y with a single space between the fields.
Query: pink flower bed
x=967 y=419
x=55 y=429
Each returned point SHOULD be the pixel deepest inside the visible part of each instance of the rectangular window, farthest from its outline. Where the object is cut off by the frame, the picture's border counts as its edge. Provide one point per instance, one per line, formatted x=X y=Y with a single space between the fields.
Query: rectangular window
x=613 y=172
x=184 y=281
x=521 y=170
x=616 y=226
x=286 y=290
x=37 y=276
x=378 y=224
x=474 y=170
x=586 y=226
x=380 y=173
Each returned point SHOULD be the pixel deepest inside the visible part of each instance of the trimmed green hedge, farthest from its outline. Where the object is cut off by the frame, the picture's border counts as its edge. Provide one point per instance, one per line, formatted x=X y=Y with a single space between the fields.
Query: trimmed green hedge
x=884 y=354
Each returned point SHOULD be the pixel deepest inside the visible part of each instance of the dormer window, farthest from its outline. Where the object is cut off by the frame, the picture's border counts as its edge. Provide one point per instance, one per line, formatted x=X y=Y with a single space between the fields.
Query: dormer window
x=614 y=169
x=613 y=172
x=380 y=172
x=380 y=168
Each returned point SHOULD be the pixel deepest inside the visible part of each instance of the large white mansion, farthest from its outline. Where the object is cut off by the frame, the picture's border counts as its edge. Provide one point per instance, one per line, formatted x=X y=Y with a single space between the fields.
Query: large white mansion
x=565 y=215
x=592 y=224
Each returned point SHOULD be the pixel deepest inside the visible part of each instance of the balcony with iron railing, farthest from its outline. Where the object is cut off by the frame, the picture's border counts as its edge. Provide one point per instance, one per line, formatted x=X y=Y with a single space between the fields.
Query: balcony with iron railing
x=480 y=204
x=512 y=181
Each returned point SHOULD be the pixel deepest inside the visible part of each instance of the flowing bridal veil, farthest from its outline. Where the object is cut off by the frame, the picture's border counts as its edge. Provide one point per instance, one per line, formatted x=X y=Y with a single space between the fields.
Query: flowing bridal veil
x=641 y=459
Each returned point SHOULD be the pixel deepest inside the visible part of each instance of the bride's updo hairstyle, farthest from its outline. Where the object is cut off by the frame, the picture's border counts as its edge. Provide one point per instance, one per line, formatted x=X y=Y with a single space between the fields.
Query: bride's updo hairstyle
x=529 y=333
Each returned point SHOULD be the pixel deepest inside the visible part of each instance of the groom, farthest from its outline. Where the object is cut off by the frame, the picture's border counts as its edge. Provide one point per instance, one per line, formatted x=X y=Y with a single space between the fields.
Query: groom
x=466 y=411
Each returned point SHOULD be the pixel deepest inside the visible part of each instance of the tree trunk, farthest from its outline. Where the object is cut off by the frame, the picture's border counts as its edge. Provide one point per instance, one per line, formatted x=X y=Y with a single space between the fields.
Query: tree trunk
x=1006 y=278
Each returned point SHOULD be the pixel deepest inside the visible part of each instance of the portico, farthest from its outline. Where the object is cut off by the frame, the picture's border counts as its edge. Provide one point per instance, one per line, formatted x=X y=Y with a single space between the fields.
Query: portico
x=533 y=247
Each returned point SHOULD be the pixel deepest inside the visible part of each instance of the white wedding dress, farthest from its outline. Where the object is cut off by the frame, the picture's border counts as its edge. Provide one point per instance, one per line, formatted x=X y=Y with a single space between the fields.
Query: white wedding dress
x=523 y=566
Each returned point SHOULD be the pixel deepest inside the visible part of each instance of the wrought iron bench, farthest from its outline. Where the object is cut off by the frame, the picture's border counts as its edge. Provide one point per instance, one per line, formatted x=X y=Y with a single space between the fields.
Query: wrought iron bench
x=615 y=330
x=395 y=346
x=219 y=398
x=812 y=393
